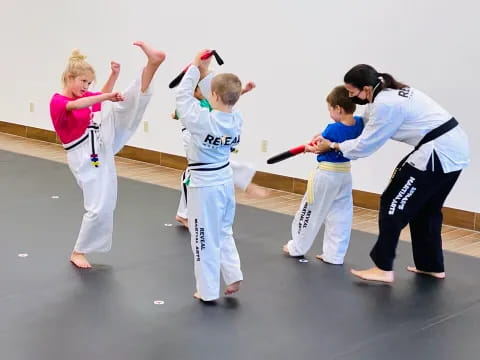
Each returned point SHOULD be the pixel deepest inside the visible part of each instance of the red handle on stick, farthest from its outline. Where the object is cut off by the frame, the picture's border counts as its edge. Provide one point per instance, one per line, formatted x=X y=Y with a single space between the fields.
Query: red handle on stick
x=288 y=154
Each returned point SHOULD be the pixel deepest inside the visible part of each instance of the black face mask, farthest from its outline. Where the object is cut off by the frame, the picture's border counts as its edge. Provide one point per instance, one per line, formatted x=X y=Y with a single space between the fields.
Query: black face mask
x=358 y=101
x=376 y=90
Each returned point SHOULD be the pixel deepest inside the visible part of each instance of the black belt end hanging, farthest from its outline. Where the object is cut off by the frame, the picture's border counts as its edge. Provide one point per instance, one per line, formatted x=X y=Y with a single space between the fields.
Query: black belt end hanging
x=93 y=156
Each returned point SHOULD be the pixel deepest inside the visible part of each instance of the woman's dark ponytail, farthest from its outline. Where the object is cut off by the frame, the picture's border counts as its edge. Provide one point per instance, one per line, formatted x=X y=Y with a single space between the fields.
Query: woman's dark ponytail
x=390 y=82
x=365 y=75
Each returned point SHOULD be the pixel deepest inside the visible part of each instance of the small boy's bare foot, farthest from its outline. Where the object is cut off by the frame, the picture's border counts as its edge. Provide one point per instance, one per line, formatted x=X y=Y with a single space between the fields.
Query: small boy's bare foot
x=257 y=191
x=285 y=250
x=155 y=57
x=374 y=274
x=436 y=275
x=182 y=221
x=232 y=288
x=79 y=260
x=320 y=257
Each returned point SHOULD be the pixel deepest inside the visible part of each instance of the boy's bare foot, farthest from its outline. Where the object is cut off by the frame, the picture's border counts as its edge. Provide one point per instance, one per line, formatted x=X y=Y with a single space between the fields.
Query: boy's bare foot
x=374 y=274
x=257 y=191
x=182 y=221
x=436 y=275
x=320 y=257
x=155 y=57
x=232 y=288
x=79 y=260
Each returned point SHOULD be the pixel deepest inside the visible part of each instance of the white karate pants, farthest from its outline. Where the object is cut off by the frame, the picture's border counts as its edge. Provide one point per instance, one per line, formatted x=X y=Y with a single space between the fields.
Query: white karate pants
x=211 y=212
x=333 y=206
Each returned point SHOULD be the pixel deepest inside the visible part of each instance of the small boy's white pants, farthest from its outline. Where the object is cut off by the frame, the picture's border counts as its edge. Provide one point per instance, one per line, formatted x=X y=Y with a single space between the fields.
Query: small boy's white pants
x=332 y=205
x=117 y=123
x=211 y=211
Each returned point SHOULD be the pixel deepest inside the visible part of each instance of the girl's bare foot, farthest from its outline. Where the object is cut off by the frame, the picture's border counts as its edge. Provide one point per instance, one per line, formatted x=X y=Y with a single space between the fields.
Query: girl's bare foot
x=196 y=295
x=232 y=288
x=436 y=275
x=285 y=249
x=154 y=56
x=254 y=190
x=374 y=274
x=79 y=260
x=182 y=221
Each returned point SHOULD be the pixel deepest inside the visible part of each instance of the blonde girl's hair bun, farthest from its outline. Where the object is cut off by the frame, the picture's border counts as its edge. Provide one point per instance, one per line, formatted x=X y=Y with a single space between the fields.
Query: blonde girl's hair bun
x=77 y=55
x=77 y=66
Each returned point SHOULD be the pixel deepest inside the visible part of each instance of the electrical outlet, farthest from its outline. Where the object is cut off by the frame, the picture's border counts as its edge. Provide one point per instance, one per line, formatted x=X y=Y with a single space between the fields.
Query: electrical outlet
x=145 y=126
x=264 y=145
x=31 y=106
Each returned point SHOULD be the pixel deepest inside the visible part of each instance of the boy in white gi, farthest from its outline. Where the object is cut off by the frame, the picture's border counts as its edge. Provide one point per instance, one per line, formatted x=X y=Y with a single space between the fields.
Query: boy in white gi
x=242 y=172
x=93 y=127
x=329 y=191
x=211 y=203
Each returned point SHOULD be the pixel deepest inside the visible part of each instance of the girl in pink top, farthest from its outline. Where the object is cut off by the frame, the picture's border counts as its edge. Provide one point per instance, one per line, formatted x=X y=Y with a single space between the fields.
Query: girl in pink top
x=93 y=127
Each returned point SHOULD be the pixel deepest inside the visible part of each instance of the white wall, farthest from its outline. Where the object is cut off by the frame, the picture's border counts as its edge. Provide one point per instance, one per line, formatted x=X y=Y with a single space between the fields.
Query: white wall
x=296 y=51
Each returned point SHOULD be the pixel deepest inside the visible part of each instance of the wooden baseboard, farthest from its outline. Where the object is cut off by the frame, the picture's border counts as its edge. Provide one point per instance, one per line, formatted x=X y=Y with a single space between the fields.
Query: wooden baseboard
x=455 y=217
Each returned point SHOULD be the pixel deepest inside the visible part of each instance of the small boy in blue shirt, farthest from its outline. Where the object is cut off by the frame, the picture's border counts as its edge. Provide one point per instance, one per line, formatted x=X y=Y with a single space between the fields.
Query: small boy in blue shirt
x=329 y=190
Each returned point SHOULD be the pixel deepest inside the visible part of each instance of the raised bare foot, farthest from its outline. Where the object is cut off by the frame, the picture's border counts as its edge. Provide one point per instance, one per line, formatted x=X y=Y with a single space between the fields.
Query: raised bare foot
x=182 y=221
x=232 y=288
x=374 y=274
x=155 y=57
x=436 y=275
x=254 y=190
x=79 y=260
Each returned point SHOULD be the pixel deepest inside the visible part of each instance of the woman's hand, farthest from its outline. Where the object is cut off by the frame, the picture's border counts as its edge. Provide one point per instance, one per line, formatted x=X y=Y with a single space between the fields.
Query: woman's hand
x=323 y=146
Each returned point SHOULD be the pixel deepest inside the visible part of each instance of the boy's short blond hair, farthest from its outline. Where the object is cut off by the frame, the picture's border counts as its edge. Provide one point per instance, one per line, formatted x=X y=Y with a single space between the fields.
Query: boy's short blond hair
x=339 y=96
x=228 y=87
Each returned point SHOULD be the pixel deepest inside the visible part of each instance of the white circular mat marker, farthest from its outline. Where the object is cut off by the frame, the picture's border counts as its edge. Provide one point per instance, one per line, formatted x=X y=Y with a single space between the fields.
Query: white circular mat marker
x=159 y=302
x=168 y=225
x=23 y=255
x=55 y=197
x=303 y=260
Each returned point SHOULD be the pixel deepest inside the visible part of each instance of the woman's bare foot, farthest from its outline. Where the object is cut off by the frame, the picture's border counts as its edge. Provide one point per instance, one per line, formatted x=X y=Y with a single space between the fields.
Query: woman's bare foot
x=79 y=260
x=436 y=275
x=257 y=191
x=155 y=58
x=232 y=288
x=374 y=274
x=182 y=221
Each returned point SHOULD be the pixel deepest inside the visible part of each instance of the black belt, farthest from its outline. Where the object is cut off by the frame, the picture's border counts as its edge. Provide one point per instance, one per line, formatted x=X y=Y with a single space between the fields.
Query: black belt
x=206 y=169
x=96 y=127
x=431 y=135
x=78 y=142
